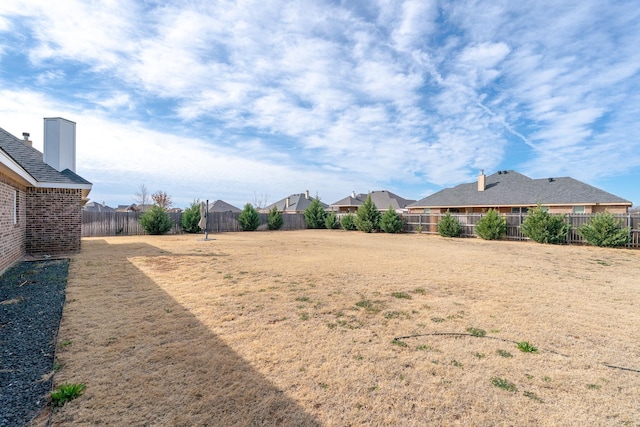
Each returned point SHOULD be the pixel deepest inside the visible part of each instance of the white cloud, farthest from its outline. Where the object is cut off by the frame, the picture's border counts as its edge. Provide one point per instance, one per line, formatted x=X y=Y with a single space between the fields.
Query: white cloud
x=386 y=91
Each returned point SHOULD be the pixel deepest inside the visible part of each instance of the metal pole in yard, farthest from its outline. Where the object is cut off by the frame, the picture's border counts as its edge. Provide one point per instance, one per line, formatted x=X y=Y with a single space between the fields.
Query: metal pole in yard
x=206 y=216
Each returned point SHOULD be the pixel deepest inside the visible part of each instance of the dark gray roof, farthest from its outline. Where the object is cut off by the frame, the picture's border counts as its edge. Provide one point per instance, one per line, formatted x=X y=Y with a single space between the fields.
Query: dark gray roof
x=97 y=207
x=382 y=199
x=222 y=206
x=32 y=162
x=510 y=188
x=297 y=203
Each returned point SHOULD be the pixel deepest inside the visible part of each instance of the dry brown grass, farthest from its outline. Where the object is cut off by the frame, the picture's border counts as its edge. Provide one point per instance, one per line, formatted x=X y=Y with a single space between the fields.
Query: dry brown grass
x=297 y=328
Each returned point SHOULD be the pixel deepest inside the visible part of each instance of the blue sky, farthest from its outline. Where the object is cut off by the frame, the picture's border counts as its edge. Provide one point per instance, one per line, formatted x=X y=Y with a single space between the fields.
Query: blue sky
x=250 y=101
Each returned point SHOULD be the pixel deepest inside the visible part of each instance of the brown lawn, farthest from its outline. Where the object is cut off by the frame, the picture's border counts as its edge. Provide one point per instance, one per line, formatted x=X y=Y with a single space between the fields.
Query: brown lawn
x=297 y=329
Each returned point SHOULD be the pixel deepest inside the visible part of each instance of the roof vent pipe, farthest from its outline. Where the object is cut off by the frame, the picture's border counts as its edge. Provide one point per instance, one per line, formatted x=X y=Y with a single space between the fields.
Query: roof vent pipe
x=306 y=194
x=27 y=141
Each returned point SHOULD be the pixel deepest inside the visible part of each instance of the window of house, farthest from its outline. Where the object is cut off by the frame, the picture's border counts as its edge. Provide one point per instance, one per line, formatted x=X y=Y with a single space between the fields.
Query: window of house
x=427 y=210
x=578 y=209
x=519 y=210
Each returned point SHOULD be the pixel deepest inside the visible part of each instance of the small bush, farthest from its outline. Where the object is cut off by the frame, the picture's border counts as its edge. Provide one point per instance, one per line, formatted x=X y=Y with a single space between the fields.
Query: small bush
x=331 y=221
x=249 y=218
x=542 y=227
x=526 y=347
x=449 y=226
x=155 y=221
x=605 y=230
x=391 y=222
x=191 y=218
x=348 y=222
x=492 y=226
x=275 y=220
x=368 y=216
x=315 y=214
x=66 y=393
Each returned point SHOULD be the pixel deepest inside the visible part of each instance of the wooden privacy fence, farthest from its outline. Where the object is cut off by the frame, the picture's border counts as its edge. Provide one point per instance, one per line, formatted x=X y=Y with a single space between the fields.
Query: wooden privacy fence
x=98 y=224
x=428 y=223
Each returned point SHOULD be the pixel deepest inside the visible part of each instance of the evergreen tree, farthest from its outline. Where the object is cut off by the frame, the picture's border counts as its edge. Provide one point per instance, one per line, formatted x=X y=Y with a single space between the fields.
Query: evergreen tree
x=390 y=222
x=155 y=220
x=348 y=222
x=542 y=227
x=191 y=218
x=449 y=226
x=275 y=221
x=331 y=221
x=605 y=230
x=249 y=218
x=492 y=226
x=315 y=214
x=368 y=217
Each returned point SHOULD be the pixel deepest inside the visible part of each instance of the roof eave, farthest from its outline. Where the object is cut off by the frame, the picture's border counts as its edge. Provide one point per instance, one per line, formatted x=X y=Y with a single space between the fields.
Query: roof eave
x=14 y=169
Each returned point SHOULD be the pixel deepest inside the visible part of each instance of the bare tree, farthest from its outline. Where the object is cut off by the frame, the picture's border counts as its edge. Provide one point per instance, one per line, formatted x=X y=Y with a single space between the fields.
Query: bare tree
x=141 y=197
x=162 y=199
x=260 y=203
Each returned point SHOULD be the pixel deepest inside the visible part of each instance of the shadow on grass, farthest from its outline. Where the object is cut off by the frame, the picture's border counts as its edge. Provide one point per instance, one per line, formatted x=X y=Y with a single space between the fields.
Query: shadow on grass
x=146 y=360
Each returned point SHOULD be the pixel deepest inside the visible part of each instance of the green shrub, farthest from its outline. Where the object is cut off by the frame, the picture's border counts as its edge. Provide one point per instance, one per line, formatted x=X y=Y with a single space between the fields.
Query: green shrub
x=605 y=230
x=155 y=220
x=315 y=214
x=390 y=222
x=275 y=221
x=331 y=221
x=368 y=217
x=491 y=226
x=348 y=222
x=542 y=227
x=191 y=218
x=449 y=226
x=249 y=218
x=65 y=393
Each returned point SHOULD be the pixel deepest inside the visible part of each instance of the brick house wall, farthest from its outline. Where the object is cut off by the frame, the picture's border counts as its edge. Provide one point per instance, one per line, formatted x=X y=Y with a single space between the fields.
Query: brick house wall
x=12 y=221
x=54 y=220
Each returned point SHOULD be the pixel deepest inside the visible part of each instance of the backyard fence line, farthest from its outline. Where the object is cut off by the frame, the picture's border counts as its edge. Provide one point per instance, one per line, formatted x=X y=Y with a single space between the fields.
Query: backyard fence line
x=100 y=224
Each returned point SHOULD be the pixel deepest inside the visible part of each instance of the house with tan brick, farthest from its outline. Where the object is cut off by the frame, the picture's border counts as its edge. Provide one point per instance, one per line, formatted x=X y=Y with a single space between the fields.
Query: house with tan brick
x=512 y=193
x=41 y=196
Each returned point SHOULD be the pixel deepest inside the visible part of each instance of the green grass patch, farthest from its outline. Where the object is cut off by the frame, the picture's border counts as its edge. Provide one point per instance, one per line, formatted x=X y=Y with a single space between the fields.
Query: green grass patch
x=65 y=393
x=504 y=384
x=526 y=347
x=476 y=332
x=504 y=353
x=401 y=295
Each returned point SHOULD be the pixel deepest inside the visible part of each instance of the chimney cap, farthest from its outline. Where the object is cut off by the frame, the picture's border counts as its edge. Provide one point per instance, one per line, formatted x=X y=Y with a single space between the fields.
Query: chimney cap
x=26 y=135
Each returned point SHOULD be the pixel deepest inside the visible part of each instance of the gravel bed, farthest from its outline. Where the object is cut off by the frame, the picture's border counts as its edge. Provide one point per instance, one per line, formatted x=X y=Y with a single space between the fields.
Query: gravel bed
x=31 y=300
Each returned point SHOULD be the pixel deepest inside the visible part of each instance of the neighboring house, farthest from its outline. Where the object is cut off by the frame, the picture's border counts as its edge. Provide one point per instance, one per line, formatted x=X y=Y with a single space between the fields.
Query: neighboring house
x=512 y=192
x=126 y=208
x=222 y=206
x=295 y=203
x=382 y=199
x=41 y=196
x=97 y=207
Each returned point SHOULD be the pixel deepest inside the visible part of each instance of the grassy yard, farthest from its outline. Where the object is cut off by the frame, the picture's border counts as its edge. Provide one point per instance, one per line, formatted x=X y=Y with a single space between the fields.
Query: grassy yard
x=337 y=328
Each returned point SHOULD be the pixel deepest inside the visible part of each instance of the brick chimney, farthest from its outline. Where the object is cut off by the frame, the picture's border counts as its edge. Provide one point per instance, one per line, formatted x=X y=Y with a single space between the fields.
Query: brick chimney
x=482 y=181
x=60 y=144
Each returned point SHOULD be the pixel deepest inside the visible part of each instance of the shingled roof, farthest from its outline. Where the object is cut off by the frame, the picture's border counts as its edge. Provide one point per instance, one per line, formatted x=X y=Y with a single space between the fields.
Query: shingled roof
x=382 y=199
x=294 y=203
x=510 y=188
x=31 y=161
